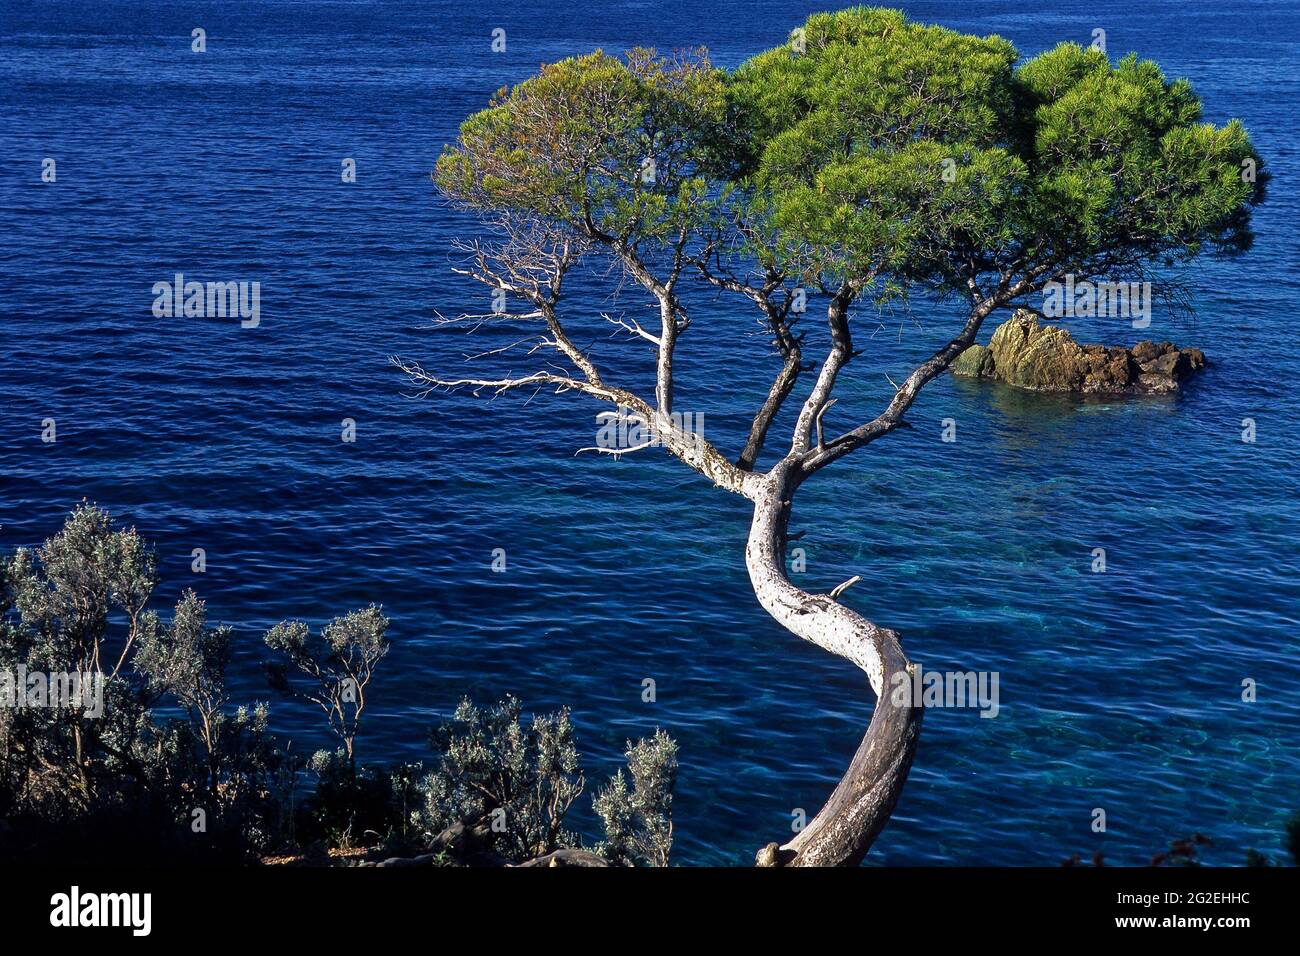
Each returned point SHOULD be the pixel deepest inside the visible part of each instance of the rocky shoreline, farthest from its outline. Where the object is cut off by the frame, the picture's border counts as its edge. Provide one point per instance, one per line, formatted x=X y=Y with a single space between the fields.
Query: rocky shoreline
x=1025 y=353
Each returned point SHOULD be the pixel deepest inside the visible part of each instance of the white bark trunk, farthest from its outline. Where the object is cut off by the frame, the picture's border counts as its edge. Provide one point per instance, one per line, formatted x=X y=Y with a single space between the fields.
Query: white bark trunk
x=861 y=804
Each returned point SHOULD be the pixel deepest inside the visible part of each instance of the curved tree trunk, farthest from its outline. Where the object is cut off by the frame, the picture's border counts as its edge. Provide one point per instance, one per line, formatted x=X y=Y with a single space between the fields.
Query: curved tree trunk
x=861 y=804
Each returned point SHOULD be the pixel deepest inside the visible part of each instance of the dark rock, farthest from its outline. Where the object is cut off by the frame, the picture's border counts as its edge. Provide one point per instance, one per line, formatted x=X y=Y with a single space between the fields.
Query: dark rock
x=1027 y=354
x=1166 y=364
x=1145 y=352
x=1156 y=384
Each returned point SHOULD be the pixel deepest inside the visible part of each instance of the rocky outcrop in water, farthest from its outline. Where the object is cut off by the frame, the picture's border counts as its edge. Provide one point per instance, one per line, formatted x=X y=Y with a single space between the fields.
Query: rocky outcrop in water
x=1028 y=354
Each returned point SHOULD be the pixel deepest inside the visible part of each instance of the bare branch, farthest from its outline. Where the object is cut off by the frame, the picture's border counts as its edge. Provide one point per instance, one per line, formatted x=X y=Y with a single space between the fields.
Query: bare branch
x=820 y=412
x=776 y=314
x=632 y=326
x=892 y=417
x=840 y=354
x=429 y=383
x=841 y=588
x=615 y=452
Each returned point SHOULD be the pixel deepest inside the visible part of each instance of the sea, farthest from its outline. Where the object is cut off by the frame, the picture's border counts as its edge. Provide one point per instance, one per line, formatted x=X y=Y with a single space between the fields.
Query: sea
x=1164 y=690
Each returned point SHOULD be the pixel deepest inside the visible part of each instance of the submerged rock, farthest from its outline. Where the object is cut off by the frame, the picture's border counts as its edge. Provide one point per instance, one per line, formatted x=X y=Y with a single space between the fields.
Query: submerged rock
x=1025 y=353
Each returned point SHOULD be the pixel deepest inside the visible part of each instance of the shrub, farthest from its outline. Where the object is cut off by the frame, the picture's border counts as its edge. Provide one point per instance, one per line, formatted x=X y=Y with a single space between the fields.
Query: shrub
x=103 y=784
x=339 y=665
x=108 y=770
x=521 y=780
x=639 y=822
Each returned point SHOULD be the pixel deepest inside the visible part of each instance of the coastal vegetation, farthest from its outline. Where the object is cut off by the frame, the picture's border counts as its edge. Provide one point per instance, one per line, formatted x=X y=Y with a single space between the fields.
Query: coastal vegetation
x=119 y=740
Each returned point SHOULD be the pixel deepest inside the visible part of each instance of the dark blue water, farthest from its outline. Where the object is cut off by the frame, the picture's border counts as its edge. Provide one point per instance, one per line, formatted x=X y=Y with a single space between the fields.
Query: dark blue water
x=1119 y=690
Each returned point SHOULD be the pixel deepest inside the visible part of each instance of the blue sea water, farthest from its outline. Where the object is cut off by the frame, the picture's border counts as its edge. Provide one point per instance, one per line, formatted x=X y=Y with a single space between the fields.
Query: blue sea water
x=1119 y=690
